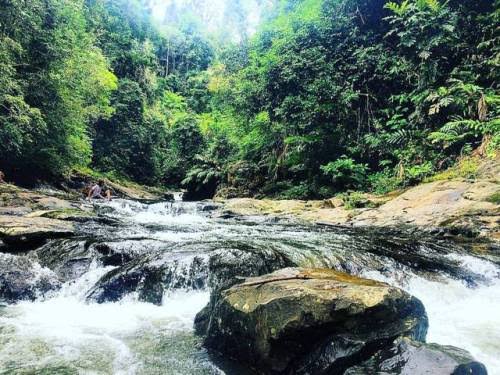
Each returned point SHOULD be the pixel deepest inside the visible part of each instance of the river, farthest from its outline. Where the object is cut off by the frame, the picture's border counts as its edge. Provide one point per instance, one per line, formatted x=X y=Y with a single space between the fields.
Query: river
x=66 y=332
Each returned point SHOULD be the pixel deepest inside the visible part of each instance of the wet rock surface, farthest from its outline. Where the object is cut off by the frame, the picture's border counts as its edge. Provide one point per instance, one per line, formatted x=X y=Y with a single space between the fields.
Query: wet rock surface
x=68 y=259
x=310 y=321
x=23 y=279
x=406 y=356
x=145 y=251
x=150 y=277
x=228 y=267
x=32 y=231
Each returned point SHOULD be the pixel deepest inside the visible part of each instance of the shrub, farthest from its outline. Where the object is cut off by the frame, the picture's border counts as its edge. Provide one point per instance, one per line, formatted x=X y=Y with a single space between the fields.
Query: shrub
x=384 y=182
x=301 y=191
x=354 y=200
x=417 y=173
x=346 y=173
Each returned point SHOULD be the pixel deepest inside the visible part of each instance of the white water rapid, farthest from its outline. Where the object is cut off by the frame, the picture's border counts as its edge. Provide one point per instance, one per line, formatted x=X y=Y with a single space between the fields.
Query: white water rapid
x=459 y=315
x=65 y=333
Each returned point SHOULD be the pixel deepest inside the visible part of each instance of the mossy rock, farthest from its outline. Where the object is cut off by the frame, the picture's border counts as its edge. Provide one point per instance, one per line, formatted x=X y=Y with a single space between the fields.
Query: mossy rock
x=494 y=198
x=310 y=320
x=67 y=214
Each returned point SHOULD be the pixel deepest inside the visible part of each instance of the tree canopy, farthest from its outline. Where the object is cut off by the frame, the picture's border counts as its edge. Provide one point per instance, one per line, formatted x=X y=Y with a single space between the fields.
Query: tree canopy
x=318 y=97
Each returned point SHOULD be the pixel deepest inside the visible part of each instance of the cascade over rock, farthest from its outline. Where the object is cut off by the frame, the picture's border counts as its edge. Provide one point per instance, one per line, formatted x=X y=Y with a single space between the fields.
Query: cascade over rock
x=70 y=258
x=23 y=279
x=310 y=321
x=150 y=277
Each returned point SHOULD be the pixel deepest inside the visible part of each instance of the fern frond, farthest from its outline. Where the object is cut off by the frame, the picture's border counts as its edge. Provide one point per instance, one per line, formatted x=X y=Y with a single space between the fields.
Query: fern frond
x=398 y=9
x=433 y=5
x=399 y=137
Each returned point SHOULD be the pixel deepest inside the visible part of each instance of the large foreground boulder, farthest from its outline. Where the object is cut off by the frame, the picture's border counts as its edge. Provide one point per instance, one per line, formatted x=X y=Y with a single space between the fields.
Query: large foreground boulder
x=24 y=232
x=23 y=279
x=310 y=321
x=228 y=267
x=406 y=356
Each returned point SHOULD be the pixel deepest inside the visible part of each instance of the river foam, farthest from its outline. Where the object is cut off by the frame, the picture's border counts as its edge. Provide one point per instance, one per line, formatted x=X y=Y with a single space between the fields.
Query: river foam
x=63 y=333
x=459 y=315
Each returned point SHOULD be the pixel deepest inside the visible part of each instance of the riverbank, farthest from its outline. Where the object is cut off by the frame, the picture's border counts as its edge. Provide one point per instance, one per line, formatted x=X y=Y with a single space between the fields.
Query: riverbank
x=459 y=206
x=28 y=217
x=156 y=264
x=464 y=208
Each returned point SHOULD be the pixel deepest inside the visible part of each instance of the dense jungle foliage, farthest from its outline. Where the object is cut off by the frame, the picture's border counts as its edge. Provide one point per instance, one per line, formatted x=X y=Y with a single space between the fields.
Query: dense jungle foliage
x=326 y=96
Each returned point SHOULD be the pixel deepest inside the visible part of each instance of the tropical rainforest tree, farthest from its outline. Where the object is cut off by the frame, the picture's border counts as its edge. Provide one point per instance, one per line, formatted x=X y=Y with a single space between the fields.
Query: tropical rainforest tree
x=321 y=97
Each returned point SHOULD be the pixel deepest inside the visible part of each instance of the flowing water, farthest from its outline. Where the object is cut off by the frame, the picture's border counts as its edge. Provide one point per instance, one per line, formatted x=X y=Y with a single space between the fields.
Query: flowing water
x=67 y=332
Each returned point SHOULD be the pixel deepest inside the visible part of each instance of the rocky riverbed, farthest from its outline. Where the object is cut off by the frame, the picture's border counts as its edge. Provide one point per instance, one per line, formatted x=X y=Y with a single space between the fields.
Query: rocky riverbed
x=152 y=287
x=458 y=207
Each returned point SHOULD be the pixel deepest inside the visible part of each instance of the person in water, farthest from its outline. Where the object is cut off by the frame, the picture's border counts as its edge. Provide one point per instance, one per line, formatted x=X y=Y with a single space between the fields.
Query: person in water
x=99 y=191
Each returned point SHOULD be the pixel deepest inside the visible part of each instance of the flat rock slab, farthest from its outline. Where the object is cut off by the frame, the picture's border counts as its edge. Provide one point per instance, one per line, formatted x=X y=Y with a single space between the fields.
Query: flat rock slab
x=433 y=204
x=310 y=321
x=453 y=203
x=15 y=230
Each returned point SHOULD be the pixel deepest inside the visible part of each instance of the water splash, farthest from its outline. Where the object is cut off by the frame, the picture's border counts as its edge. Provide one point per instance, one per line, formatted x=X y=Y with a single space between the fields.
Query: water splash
x=157 y=213
x=62 y=333
x=458 y=314
x=101 y=338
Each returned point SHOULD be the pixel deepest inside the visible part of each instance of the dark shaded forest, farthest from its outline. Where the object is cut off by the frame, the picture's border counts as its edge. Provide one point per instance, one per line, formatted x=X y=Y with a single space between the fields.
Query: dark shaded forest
x=326 y=96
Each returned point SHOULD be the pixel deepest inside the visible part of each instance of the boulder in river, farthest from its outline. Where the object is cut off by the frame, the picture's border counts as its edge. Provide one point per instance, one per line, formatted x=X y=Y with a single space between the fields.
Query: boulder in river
x=150 y=277
x=310 y=321
x=23 y=279
x=22 y=232
x=68 y=258
x=406 y=356
x=228 y=267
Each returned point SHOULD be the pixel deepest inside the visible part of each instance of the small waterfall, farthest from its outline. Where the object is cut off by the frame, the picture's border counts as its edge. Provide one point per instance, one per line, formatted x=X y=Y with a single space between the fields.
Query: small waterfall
x=166 y=213
x=459 y=315
x=164 y=249
x=63 y=331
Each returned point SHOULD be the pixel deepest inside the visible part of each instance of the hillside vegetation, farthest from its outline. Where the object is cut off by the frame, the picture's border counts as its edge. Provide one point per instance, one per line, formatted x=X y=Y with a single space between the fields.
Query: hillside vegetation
x=327 y=96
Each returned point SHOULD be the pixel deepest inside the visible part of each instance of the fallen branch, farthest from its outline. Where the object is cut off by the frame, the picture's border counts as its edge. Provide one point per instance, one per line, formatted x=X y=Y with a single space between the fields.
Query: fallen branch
x=274 y=279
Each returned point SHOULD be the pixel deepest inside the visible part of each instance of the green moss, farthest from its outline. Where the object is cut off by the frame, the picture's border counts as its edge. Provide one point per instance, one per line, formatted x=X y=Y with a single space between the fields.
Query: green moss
x=356 y=199
x=66 y=213
x=494 y=198
x=466 y=168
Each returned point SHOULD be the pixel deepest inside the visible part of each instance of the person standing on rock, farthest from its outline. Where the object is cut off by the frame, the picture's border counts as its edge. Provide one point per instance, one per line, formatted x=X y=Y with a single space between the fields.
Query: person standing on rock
x=96 y=192
x=2 y=177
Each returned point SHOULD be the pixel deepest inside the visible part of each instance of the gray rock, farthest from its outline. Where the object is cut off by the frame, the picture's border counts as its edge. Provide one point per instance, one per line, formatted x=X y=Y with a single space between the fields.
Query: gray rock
x=310 y=321
x=23 y=279
x=407 y=357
